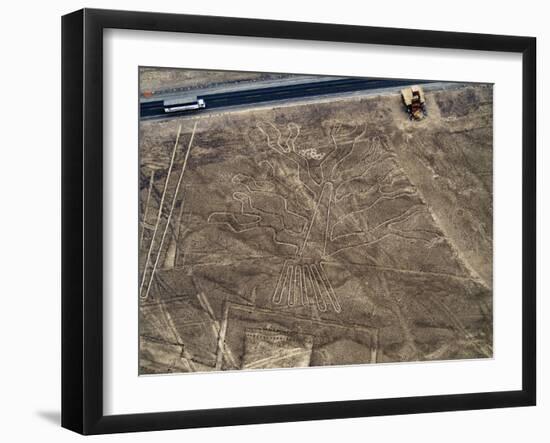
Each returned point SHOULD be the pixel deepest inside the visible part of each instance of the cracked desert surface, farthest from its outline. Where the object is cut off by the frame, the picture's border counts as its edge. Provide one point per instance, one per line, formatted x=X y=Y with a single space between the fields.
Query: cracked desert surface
x=327 y=232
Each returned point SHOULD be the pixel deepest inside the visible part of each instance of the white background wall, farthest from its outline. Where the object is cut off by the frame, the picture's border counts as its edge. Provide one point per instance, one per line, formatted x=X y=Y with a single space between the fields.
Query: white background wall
x=30 y=219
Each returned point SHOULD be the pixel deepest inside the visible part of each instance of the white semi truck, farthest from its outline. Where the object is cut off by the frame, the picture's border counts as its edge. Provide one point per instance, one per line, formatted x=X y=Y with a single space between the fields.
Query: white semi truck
x=178 y=106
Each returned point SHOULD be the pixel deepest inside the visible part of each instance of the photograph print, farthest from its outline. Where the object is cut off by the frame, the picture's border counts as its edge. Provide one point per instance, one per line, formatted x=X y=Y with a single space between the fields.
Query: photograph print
x=297 y=220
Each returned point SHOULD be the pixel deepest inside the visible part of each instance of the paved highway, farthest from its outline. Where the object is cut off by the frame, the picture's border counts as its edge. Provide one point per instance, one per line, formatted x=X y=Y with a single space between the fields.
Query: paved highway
x=155 y=108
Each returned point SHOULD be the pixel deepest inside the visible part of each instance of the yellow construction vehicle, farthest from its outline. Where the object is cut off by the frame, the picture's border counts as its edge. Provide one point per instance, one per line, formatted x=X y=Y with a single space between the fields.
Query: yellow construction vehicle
x=414 y=101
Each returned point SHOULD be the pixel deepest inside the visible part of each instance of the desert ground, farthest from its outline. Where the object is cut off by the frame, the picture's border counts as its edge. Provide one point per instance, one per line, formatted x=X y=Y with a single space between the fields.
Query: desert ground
x=328 y=232
x=157 y=80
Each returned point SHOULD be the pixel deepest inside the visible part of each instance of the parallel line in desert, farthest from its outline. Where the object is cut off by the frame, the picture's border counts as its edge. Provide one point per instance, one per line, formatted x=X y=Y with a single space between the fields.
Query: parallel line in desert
x=159 y=215
x=171 y=210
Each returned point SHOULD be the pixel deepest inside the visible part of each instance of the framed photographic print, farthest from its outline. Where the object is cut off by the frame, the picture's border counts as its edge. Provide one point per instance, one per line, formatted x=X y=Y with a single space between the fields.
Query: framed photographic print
x=271 y=221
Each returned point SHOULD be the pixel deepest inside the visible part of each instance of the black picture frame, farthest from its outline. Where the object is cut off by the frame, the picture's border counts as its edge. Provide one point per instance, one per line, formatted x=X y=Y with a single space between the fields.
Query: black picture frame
x=82 y=218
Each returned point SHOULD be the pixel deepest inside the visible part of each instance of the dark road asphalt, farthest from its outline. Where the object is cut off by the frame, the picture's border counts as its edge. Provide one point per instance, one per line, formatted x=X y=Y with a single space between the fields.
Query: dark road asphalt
x=152 y=109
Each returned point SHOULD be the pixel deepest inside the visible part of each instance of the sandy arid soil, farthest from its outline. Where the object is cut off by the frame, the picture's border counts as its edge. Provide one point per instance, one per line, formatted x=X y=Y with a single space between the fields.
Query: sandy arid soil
x=321 y=233
x=154 y=80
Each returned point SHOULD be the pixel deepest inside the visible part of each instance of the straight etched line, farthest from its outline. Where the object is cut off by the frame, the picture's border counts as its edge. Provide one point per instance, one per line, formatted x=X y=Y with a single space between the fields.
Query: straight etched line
x=171 y=210
x=159 y=215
